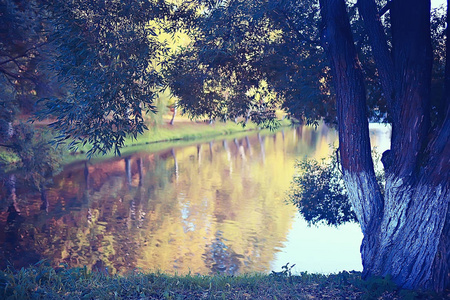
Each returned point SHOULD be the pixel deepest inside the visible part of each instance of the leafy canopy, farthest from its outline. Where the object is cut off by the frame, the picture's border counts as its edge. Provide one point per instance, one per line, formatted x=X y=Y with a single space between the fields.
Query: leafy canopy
x=103 y=54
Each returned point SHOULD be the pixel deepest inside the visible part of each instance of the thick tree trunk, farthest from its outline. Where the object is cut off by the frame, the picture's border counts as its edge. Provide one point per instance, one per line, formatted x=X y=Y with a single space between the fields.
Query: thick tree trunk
x=439 y=151
x=412 y=223
x=405 y=231
x=354 y=142
x=413 y=242
x=412 y=54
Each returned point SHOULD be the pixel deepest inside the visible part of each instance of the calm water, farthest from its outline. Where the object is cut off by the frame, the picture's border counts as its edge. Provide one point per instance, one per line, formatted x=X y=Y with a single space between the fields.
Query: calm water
x=218 y=206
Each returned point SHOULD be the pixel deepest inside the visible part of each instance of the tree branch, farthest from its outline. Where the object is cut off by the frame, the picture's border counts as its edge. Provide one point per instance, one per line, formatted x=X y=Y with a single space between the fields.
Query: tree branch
x=293 y=27
x=6 y=146
x=381 y=53
x=385 y=8
x=17 y=76
x=25 y=53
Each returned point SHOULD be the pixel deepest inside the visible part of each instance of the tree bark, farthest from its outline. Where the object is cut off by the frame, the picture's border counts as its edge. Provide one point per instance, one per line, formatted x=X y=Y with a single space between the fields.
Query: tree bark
x=406 y=230
x=412 y=54
x=446 y=100
x=354 y=142
x=380 y=50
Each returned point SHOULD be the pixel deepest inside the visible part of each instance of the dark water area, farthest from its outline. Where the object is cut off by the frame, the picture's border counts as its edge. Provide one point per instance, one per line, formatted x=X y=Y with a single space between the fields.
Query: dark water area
x=206 y=208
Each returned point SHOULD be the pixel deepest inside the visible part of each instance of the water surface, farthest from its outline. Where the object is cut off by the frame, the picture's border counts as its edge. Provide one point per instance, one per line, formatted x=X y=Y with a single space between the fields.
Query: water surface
x=207 y=208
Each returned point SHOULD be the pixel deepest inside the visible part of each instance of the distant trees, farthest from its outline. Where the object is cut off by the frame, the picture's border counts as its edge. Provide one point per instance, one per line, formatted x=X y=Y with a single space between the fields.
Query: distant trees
x=239 y=45
x=24 y=52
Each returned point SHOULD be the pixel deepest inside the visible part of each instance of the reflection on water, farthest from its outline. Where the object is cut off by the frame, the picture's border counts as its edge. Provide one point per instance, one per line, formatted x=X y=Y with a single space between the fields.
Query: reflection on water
x=215 y=207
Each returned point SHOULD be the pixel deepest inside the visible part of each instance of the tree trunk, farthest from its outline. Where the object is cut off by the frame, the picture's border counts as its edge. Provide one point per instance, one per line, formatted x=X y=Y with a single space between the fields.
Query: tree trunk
x=354 y=142
x=408 y=242
x=406 y=230
x=175 y=106
x=446 y=98
x=380 y=50
x=416 y=197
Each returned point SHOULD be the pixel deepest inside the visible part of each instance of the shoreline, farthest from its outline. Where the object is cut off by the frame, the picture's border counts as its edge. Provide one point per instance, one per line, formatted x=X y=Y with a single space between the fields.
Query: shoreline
x=167 y=136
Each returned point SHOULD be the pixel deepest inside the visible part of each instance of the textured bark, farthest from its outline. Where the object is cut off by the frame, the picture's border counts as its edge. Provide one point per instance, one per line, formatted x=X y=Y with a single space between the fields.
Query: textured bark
x=446 y=99
x=438 y=172
x=354 y=142
x=441 y=264
x=409 y=234
x=406 y=231
x=380 y=50
x=413 y=58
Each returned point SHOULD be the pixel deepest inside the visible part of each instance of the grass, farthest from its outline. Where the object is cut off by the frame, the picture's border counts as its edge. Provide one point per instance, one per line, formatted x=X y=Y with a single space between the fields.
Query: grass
x=157 y=138
x=189 y=131
x=43 y=282
x=185 y=130
x=167 y=136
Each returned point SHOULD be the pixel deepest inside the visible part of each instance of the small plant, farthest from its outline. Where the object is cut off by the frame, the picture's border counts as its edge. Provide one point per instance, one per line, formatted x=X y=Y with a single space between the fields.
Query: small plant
x=286 y=271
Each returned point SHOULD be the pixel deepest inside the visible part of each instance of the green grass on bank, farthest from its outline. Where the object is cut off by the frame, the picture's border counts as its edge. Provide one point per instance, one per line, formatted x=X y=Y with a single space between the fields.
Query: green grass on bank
x=189 y=131
x=184 y=131
x=43 y=282
x=180 y=134
x=155 y=139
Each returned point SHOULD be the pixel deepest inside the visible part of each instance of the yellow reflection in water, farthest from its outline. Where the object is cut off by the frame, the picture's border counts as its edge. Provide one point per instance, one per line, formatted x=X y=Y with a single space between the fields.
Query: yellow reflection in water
x=206 y=208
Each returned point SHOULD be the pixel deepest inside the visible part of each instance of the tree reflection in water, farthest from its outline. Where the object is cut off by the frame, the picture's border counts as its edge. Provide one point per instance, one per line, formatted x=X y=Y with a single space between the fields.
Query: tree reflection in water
x=172 y=210
x=220 y=258
x=319 y=194
x=14 y=244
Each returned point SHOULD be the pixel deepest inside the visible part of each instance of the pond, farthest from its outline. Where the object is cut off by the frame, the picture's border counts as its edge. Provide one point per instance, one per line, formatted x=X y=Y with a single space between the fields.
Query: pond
x=210 y=207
